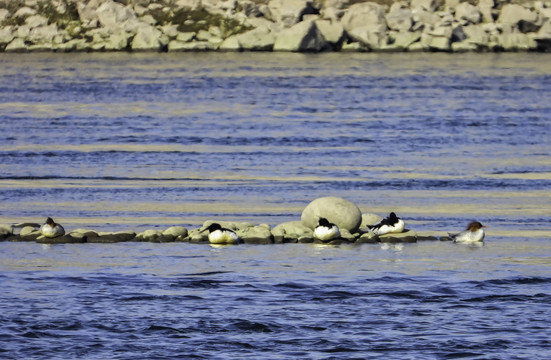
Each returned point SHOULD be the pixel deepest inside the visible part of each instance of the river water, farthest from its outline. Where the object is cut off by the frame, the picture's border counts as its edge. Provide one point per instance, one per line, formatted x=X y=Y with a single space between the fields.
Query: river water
x=139 y=141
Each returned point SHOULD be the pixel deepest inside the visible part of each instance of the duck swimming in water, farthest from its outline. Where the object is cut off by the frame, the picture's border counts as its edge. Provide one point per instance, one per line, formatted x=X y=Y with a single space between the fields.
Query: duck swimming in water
x=326 y=231
x=220 y=235
x=390 y=224
x=473 y=234
x=51 y=230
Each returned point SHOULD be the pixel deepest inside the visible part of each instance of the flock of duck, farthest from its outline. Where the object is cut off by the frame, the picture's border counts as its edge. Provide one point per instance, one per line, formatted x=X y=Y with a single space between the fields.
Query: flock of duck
x=325 y=231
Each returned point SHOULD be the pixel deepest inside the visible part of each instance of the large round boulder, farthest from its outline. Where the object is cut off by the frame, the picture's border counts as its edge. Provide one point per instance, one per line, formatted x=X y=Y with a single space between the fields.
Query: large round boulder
x=339 y=211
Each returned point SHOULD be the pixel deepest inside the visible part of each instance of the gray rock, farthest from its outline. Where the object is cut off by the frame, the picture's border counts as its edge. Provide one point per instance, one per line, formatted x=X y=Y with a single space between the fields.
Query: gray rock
x=290 y=12
x=339 y=211
x=425 y=18
x=477 y=35
x=36 y=21
x=514 y=14
x=291 y=232
x=516 y=42
x=28 y=230
x=24 y=12
x=17 y=45
x=176 y=231
x=256 y=235
x=4 y=15
x=368 y=238
x=438 y=39
x=407 y=236
x=361 y=15
x=230 y=44
x=116 y=16
x=332 y=32
x=6 y=230
x=428 y=5
x=187 y=4
x=118 y=41
x=6 y=35
x=258 y=39
x=465 y=13
x=65 y=239
x=400 y=19
x=146 y=39
x=370 y=37
x=303 y=37
x=43 y=34
x=402 y=41
x=106 y=237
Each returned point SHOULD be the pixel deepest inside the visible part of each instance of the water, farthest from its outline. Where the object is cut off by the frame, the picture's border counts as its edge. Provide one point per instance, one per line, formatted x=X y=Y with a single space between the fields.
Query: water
x=138 y=141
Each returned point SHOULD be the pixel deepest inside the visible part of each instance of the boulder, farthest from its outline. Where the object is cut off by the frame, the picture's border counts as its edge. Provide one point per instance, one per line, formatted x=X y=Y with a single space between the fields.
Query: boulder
x=17 y=45
x=368 y=237
x=339 y=211
x=28 y=230
x=176 y=231
x=260 y=234
x=4 y=14
x=6 y=230
x=258 y=39
x=6 y=35
x=332 y=32
x=514 y=14
x=290 y=12
x=465 y=14
x=361 y=15
x=65 y=239
x=147 y=39
x=43 y=34
x=291 y=232
x=402 y=41
x=24 y=12
x=303 y=37
x=438 y=39
x=407 y=236
x=400 y=19
x=369 y=219
x=36 y=21
x=476 y=34
x=116 y=16
x=107 y=237
x=516 y=42
x=427 y=5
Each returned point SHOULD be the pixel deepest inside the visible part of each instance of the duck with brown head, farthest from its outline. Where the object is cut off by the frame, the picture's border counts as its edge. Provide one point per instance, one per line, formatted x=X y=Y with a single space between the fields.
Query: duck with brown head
x=473 y=234
x=51 y=230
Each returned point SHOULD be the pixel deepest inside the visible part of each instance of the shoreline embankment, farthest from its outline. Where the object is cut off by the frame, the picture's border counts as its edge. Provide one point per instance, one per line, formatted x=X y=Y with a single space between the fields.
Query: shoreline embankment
x=274 y=25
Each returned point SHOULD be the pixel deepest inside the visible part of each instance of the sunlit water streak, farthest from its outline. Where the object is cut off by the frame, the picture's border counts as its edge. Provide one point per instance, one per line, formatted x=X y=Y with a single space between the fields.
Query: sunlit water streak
x=138 y=141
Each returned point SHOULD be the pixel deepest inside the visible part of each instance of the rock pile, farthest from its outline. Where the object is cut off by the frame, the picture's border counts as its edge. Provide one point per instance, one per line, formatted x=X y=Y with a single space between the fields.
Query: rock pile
x=273 y=25
x=353 y=227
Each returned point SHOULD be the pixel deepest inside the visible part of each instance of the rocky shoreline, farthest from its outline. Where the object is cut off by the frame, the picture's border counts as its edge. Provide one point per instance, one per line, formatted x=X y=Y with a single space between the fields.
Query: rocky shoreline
x=352 y=223
x=273 y=25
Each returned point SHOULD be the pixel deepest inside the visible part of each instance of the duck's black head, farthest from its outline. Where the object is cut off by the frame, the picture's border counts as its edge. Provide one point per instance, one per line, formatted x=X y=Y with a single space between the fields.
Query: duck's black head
x=324 y=222
x=50 y=222
x=392 y=217
x=213 y=227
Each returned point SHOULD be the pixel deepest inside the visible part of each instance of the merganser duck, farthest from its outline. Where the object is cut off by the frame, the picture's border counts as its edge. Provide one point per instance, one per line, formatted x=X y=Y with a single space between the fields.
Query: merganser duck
x=51 y=230
x=326 y=231
x=473 y=234
x=220 y=235
x=390 y=224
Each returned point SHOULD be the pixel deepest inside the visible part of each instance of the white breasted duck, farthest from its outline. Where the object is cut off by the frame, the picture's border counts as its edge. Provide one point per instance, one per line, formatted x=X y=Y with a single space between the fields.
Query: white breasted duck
x=220 y=235
x=51 y=230
x=473 y=234
x=390 y=224
x=326 y=231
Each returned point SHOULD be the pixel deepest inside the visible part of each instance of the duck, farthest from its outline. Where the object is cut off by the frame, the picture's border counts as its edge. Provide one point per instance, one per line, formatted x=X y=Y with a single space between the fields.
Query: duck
x=473 y=234
x=326 y=230
x=51 y=230
x=220 y=235
x=390 y=224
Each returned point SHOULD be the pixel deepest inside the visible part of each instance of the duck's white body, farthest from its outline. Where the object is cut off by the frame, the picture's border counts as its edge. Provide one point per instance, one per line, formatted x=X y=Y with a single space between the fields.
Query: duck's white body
x=51 y=230
x=223 y=236
x=397 y=227
x=473 y=234
x=325 y=233
x=469 y=236
x=390 y=224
